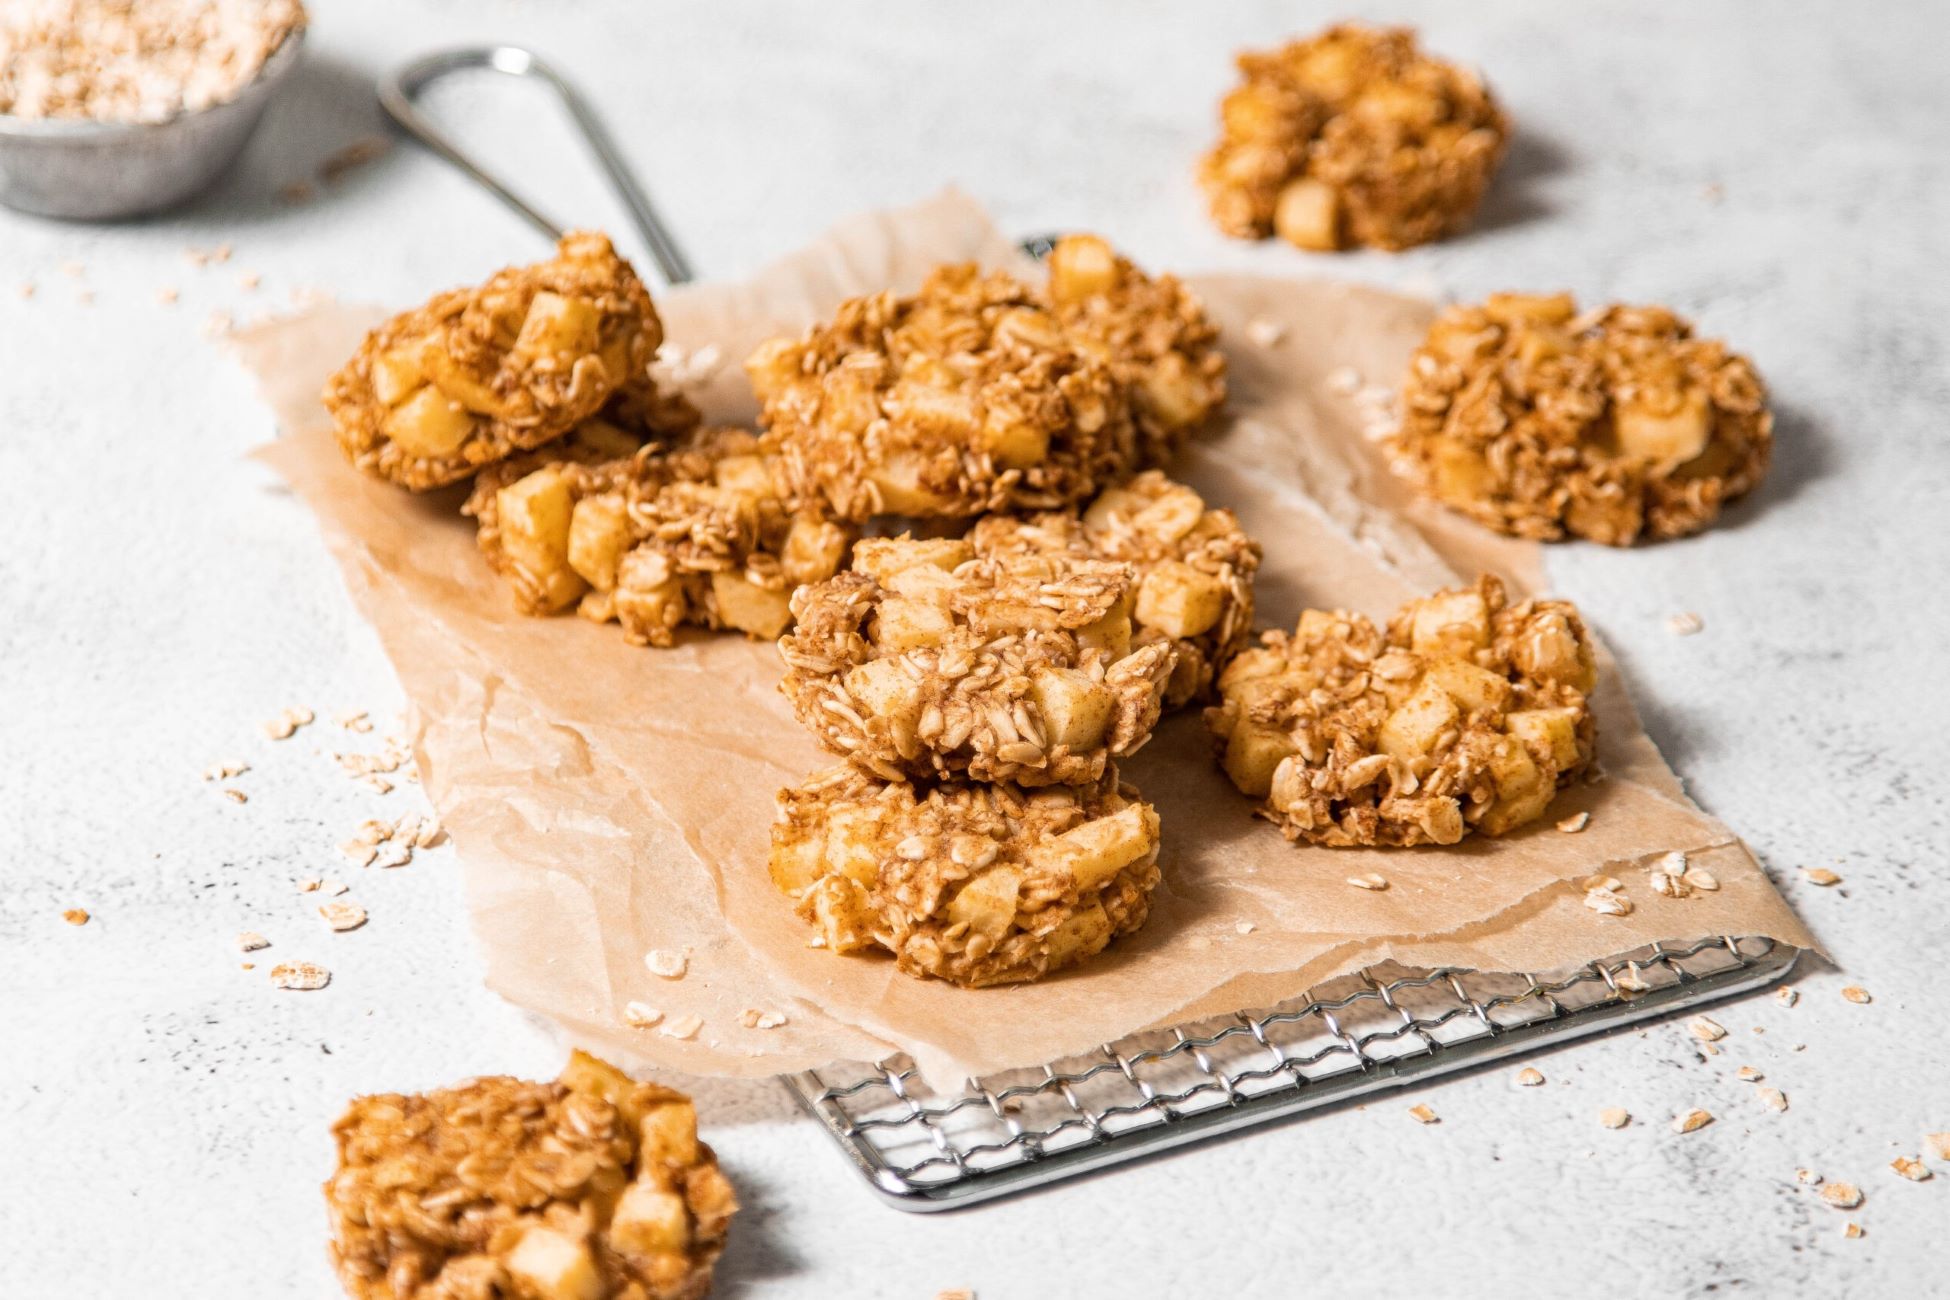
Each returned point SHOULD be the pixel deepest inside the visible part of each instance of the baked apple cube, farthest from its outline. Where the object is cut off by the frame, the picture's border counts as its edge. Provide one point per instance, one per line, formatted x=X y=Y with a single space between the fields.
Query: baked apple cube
x=558 y=326
x=551 y=1265
x=650 y=1220
x=1179 y=600
x=1076 y=709
x=987 y=904
x=599 y=535
x=1413 y=731
x=535 y=514
x=763 y=612
x=428 y=423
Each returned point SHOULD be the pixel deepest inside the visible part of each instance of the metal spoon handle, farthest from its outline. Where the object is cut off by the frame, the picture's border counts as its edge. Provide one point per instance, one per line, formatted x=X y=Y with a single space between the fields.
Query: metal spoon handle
x=398 y=92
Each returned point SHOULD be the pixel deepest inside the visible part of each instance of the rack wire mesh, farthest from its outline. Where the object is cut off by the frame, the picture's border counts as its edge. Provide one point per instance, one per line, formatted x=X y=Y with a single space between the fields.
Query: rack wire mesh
x=1384 y=1027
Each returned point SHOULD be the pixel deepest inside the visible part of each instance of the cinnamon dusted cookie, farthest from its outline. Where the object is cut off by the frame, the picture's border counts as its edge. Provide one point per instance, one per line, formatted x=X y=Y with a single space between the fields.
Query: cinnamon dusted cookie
x=594 y=1187
x=479 y=374
x=926 y=660
x=1466 y=714
x=1195 y=568
x=1352 y=137
x=1614 y=425
x=977 y=884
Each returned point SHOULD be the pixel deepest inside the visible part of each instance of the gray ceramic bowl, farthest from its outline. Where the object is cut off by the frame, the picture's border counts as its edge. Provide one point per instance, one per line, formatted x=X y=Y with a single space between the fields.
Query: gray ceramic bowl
x=98 y=171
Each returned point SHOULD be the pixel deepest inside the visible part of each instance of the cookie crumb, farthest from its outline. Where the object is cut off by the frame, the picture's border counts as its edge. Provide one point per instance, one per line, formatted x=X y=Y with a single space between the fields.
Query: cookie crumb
x=343 y=916
x=235 y=795
x=75 y=916
x=1820 y=876
x=1424 y=1115
x=1786 y=997
x=1843 y=1196
x=1857 y=994
x=1748 y=1074
x=251 y=941
x=1939 y=1144
x=1773 y=1099
x=666 y=965
x=1614 y=1117
x=1852 y=1230
x=1705 y=1029
x=1911 y=1168
x=1529 y=1078
x=1686 y=623
x=1692 y=1121
x=302 y=976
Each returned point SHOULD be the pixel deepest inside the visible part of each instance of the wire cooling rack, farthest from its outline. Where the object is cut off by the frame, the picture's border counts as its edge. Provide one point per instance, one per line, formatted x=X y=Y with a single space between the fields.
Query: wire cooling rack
x=1384 y=1028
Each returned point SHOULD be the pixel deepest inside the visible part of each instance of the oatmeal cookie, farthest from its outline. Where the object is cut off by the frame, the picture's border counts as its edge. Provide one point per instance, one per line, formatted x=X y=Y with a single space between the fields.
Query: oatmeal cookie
x=590 y=1188
x=1614 y=425
x=1152 y=332
x=1467 y=714
x=925 y=660
x=478 y=374
x=1352 y=137
x=1195 y=568
x=977 y=884
x=966 y=397
x=691 y=532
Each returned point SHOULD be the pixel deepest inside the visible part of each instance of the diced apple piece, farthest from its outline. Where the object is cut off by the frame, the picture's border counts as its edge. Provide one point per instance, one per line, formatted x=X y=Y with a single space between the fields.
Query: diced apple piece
x=1015 y=444
x=880 y=558
x=1308 y=214
x=748 y=476
x=599 y=534
x=814 y=549
x=763 y=612
x=772 y=367
x=1170 y=515
x=1666 y=438
x=796 y=864
x=1451 y=622
x=429 y=423
x=1076 y=710
x=841 y=914
x=1081 y=266
x=1522 y=792
x=1551 y=733
x=1028 y=325
x=901 y=624
x=1315 y=624
x=1178 y=600
x=987 y=904
x=669 y=1133
x=535 y=513
x=1411 y=731
x=1470 y=687
x=1251 y=664
x=1552 y=651
x=1099 y=849
x=395 y=375
x=646 y=608
x=1083 y=933
x=451 y=378
x=606 y=439
x=650 y=1220
x=1252 y=754
x=594 y=1077
x=1396 y=101
x=558 y=326
x=552 y=1265
x=1112 y=633
x=1175 y=394
x=852 y=846
x=881 y=688
x=1459 y=475
x=1532 y=308
x=711 y=1195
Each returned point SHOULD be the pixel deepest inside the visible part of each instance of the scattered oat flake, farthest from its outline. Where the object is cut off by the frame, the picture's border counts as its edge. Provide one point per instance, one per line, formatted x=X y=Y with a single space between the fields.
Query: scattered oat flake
x=308 y=886
x=1669 y=886
x=343 y=916
x=1705 y=1029
x=1692 y=1121
x=1806 y=1177
x=1344 y=381
x=1843 y=1196
x=75 y=916
x=1372 y=880
x=666 y=964
x=641 y=1015
x=397 y=853
x=1701 y=879
x=1245 y=927
x=1671 y=864
x=1529 y=1078
x=377 y=784
x=249 y=280
x=753 y=1018
x=224 y=771
x=251 y=941
x=1939 y=1144
x=1773 y=1098
x=1574 y=823
x=1911 y=1168
x=1786 y=997
x=354 y=155
x=1606 y=903
x=1631 y=980
x=1820 y=876
x=299 y=975
x=682 y=1027
x=955 y=1293
x=360 y=852
x=355 y=721
x=1423 y=1115
x=333 y=887
x=1852 y=1230
x=1265 y=333
x=1748 y=1074
x=216 y=324
x=1685 y=624
x=1857 y=994
x=1614 y=1117
x=235 y=795
x=27 y=289
x=167 y=297
x=287 y=723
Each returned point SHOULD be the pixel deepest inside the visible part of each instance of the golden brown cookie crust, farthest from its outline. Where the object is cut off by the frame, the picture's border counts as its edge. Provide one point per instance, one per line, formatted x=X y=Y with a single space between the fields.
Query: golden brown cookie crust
x=1194 y=566
x=977 y=884
x=1614 y=425
x=1467 y=714
x=1353 y=137
x=925 y=660
x=478 y=374
x=591 y=1185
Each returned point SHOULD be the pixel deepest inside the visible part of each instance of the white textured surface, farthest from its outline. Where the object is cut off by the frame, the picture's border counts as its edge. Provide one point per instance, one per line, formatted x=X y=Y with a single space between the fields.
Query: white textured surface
x=165 y=1113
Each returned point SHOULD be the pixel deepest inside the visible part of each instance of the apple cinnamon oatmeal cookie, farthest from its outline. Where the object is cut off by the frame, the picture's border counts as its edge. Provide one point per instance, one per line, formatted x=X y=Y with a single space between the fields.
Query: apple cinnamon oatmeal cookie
x=1467 y=714
x=1612 y=425
x=926 y=660
x=691 y=532
x=594 y=1187
x=976 y=884
x=1195 y=568
x=1352 y=137
x=966 y=397
x=478 y=374
x=1152 y=332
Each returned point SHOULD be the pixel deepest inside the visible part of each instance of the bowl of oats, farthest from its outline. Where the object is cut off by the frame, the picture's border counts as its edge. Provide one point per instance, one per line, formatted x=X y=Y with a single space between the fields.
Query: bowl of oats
x=110 y=109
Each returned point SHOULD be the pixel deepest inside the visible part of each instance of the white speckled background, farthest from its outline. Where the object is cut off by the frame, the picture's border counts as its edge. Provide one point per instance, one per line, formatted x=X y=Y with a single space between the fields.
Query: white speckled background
x=163 y=1114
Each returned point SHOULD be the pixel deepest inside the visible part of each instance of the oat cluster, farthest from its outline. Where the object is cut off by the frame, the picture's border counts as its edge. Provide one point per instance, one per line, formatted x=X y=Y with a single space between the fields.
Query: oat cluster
x=120 y=61
x=980 y=393
x=1352 y=137
x=476 y=375
x=1614 y=425
x=594 y=1187
x=979 y=884
x=1194 y=568
x=926 y=660
x=1466 y=714
x=694 y=531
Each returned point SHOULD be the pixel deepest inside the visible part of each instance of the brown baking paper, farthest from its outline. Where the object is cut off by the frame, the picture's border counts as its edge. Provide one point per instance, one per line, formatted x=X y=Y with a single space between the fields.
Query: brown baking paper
x=608 y=800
